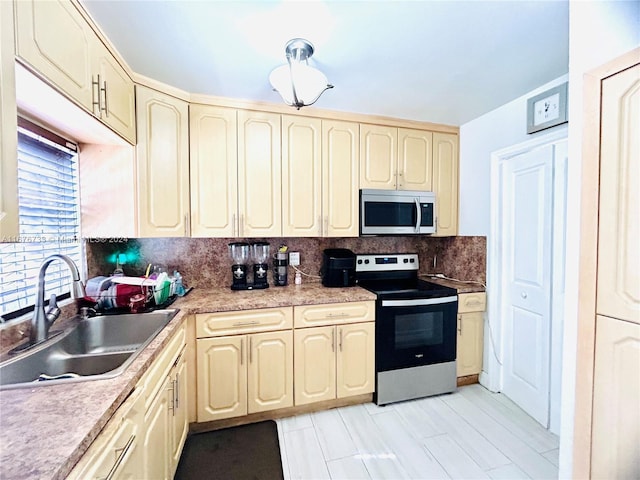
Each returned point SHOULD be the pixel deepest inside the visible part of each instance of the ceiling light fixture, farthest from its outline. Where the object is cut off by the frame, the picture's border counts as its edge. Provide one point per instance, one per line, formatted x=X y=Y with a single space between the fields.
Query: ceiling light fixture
x=299 y=84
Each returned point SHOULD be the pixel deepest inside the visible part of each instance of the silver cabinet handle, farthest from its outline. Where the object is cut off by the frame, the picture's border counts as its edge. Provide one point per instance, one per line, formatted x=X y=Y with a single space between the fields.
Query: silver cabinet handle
x=176 y=392
x=340 y=339
x=242 y=351
x=460 y=324
x=337 y=315
x=244 y=324
x=333 y=340
x=96 y=101
x=250 y=351
x=105 y=108
x=123 y=452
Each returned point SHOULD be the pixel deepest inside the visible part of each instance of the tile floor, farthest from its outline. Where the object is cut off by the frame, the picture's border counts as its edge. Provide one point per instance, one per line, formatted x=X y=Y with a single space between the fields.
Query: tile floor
x=470 y=434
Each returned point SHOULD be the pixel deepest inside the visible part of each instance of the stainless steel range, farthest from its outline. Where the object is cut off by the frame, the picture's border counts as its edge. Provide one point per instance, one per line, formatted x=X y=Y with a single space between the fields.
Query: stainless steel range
x=415 y=328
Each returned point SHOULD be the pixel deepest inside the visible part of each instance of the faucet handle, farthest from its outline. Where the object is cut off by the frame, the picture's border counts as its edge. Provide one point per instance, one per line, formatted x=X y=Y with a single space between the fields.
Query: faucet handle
x=53 y=311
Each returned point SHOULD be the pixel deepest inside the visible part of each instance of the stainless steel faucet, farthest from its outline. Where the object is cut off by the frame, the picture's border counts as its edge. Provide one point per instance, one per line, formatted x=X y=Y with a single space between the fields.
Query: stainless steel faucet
x=42 y=321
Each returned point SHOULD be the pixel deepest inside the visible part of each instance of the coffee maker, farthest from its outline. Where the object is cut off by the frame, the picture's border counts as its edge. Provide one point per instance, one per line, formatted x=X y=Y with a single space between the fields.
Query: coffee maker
x=260 y=255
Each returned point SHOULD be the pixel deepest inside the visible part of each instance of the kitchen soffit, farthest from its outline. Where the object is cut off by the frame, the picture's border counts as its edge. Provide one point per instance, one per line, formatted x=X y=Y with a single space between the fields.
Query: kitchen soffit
x=436 y=61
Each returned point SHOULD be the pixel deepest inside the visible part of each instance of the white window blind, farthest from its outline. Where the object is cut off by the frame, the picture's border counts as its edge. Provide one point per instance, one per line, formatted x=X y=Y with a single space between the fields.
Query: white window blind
x=48 y=208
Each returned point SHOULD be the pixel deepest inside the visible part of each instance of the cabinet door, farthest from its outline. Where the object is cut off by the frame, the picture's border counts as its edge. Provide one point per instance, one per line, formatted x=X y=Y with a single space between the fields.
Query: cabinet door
x=9 y=229
x=179 y=412
x=301 y=177
x=163 y=164
x=618 y=280
x=117 y=98
x=314 y=364
x=54 y=39
x=616 y=400
x=156 y=443
x=222 y=378
x=340 y=177
x=213 y=171
x=355 y=365
x=259 y=180
x=378 y=156
x=270 y=375
x=445 y=183
x=415 y=159
x=470 y=343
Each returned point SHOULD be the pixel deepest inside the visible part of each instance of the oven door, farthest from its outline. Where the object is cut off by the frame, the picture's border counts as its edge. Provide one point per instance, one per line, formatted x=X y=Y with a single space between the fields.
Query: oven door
x=411 y=333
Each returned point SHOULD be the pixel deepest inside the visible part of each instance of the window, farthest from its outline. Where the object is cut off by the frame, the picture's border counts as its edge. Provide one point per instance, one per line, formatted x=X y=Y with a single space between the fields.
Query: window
x=48 y=209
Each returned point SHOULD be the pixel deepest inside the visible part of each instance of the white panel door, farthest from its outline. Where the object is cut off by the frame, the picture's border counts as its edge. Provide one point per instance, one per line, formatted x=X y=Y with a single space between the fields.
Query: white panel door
x=527 y=233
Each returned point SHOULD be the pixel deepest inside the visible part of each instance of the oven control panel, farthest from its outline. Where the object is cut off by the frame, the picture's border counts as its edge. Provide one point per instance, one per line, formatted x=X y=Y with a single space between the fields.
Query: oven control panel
x=381 y=262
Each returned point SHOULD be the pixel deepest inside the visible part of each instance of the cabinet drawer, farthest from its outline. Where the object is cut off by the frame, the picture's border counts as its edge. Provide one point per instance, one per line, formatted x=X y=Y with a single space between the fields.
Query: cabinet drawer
x=115 y=451
x=333 y=314
x=243 y=321
x=472 y=302
x=152 y=379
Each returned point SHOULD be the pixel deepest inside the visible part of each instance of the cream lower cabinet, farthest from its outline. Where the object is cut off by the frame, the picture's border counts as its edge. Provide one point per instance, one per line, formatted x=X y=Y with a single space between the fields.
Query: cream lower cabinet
x=243 y=374
x=335 y=359
x=118 y=452
x=162 y=164
x=333 y=362
x=244 y=362
x=470 y=346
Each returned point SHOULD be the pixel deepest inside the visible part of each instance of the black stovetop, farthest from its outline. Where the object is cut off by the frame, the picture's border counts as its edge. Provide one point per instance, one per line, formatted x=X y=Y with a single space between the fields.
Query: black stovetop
x=406 y=288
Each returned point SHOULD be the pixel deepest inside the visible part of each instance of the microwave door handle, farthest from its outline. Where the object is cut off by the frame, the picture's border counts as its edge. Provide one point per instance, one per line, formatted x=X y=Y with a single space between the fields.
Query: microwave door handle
x=418 y=215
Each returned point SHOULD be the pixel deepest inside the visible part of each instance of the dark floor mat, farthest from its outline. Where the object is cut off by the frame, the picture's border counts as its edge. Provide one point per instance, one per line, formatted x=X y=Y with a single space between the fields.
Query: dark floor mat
x=248 y=452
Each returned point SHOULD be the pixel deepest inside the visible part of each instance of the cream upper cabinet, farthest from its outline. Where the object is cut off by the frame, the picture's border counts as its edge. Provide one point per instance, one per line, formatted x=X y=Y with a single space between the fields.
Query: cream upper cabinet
x=618 y=279
x=315 y=364
x=340 y=176
x=445 y=183
x=415 y=159
x=395 y=158
x=301 y=176
x=259 y=174
x=270 y=371
x=116 y=104
x=470 y=341
x=378 y=157
x=9 y=229
x=355 y=360
x=213 y=171
x=53 y=38
x=163 y=164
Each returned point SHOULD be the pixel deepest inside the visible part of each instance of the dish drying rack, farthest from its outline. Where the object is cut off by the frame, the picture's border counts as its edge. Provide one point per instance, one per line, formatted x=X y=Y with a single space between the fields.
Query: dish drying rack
x=117 y=293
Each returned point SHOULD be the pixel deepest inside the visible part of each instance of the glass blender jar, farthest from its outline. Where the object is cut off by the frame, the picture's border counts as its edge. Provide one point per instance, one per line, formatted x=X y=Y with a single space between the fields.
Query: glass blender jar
x=240 y=256
x=260 y=254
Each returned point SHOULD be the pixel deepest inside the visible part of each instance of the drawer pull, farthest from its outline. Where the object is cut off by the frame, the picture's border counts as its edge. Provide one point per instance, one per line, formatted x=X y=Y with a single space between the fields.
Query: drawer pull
x=120 y=457
x=337 y=315
x=473 y=303
x=340 y=339
x=245 y=324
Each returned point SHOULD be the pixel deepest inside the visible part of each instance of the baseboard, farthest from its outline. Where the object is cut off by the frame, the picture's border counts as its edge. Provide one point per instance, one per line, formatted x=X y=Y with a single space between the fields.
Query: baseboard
x=467 y=380
x=280 y=413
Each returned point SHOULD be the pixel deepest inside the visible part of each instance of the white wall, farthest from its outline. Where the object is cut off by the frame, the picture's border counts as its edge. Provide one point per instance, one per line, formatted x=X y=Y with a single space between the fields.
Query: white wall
x=500 y=128
x=598 y=32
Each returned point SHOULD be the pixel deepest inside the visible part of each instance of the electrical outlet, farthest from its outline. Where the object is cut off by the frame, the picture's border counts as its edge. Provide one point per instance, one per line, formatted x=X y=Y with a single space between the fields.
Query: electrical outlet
x=294 y=259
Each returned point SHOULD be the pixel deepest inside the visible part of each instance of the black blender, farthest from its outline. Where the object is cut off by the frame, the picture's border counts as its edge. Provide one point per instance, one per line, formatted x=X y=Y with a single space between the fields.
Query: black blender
x=240 y=255
x=260 y=255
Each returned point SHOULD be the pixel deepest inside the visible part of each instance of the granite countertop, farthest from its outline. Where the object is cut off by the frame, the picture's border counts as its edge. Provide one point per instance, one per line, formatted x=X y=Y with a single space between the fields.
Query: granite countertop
x=45 y=430
x=459 y=285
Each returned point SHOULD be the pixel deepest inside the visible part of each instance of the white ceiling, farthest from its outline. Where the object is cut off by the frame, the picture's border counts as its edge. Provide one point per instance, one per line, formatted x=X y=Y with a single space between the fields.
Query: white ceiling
x=437 y=61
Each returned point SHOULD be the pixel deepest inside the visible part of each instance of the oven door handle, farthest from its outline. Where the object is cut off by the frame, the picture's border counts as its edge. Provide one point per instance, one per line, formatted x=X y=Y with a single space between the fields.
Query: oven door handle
x=419 y=301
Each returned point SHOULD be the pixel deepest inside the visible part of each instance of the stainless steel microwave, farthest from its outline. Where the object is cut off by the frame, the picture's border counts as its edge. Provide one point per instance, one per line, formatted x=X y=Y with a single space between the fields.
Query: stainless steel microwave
x=397 y=212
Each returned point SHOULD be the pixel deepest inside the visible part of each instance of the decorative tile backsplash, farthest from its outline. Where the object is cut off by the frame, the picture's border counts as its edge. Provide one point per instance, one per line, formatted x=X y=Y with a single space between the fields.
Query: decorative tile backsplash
x=204 y=262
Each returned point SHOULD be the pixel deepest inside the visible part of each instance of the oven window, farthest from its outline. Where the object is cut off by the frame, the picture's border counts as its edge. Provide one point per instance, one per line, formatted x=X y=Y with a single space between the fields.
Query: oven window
x=417 y=330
